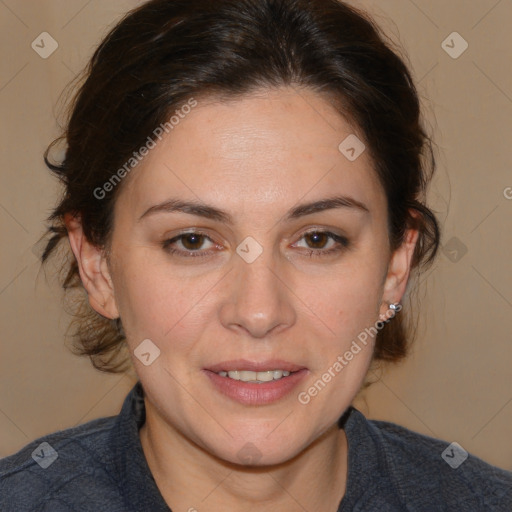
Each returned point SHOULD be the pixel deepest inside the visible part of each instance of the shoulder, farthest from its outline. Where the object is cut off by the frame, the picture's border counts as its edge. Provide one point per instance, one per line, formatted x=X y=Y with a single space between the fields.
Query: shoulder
x=43 y=474
x=429 y=470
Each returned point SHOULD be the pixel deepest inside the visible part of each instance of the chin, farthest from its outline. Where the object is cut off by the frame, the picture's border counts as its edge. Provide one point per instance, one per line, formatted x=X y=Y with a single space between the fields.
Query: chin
x=258 y=451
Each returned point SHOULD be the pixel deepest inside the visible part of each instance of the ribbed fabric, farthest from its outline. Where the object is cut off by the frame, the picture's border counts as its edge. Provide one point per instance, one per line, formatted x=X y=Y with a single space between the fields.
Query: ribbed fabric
x=100 y=466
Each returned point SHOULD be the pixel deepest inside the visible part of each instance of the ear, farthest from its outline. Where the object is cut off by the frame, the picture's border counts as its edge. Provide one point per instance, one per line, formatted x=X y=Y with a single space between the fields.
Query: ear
x=93 y=268
x=399 y=269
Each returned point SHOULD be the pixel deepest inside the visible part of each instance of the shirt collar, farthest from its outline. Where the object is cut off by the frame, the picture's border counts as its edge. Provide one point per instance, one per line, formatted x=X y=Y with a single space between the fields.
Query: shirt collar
x=136 y=483
x=365 y=465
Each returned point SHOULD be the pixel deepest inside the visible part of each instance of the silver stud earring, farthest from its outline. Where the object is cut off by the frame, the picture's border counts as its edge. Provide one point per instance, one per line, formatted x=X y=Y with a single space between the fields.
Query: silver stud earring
x=395 y=308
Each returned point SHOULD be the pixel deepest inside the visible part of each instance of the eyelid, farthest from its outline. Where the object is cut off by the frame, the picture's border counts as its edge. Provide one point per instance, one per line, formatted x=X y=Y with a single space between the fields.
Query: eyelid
x=189 y=231
x=320 y=229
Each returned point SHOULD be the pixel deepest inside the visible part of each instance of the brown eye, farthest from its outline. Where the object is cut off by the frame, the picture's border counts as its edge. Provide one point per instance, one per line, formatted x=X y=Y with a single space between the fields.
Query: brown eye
x=192 y=241
x=323 y=243
x=189 y=244
x=318 y=239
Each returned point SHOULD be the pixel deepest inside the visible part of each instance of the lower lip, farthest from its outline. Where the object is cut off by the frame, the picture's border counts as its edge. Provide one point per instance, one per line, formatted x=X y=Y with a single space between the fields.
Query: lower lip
x=249 y=393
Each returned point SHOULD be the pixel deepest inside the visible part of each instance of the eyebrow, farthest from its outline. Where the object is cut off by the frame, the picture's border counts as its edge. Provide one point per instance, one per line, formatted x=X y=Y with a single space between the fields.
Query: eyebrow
x=210 y=212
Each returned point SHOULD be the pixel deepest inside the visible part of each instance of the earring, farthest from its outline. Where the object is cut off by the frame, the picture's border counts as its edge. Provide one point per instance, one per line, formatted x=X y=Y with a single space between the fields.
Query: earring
x=396 y=307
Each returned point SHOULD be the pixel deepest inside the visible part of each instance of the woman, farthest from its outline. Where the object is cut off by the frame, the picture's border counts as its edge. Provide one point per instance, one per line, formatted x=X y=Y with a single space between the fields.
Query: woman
x=244 y=201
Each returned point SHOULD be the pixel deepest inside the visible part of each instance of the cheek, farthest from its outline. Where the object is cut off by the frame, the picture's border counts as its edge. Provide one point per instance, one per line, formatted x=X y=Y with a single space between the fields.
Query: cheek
x=348 y=299
x=348 y=304
x=157 y=300
x=153 y=298
x=140 y=293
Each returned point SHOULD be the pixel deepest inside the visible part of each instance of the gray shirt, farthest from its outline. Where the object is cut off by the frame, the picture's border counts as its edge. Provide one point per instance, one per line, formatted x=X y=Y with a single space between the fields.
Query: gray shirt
x=100 y=466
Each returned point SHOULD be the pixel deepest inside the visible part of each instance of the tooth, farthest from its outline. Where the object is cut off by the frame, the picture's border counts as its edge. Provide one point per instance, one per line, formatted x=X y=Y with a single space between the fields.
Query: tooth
x=247 y=375
x=265 y=376
x=255 y=377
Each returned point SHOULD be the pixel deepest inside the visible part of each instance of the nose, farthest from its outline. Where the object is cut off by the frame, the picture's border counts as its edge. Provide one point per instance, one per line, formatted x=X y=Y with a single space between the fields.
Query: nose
x=259 y=297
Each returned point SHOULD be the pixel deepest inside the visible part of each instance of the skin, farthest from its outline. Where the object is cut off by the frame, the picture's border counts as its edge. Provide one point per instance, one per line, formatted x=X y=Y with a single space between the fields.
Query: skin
x=255 y=158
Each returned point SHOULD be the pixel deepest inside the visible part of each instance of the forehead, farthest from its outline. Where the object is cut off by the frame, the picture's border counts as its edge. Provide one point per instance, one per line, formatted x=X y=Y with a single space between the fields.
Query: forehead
x=269 y=147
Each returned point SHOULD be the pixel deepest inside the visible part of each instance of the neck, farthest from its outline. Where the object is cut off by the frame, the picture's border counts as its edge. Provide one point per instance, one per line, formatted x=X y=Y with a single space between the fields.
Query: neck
x=191 y=479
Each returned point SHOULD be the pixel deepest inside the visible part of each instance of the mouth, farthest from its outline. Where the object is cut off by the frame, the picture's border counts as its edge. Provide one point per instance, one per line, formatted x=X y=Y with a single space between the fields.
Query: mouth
x=255 y=377
x=255 y=372
x=255 y=383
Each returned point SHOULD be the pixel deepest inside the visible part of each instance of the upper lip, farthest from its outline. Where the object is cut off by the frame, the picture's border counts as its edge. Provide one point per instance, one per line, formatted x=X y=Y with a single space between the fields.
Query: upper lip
x=255 y=366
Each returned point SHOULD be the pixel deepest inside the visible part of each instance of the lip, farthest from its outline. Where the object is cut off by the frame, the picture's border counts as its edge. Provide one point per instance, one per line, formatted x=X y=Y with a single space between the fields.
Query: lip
x=249 y=393
x=255 y=366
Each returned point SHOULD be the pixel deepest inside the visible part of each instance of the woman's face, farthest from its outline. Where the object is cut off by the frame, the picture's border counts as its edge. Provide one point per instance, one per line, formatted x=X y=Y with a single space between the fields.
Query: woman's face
x=255 y=288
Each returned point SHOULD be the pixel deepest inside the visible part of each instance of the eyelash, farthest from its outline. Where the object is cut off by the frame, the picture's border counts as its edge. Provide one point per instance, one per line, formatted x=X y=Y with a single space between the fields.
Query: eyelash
x=343 y=244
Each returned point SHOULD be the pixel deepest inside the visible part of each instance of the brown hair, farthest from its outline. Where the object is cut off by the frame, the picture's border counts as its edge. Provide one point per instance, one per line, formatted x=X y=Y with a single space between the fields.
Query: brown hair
x=167 y=51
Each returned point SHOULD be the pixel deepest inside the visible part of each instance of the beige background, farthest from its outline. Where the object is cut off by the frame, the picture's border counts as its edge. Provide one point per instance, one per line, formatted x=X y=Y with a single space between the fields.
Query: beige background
x=456 y=384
